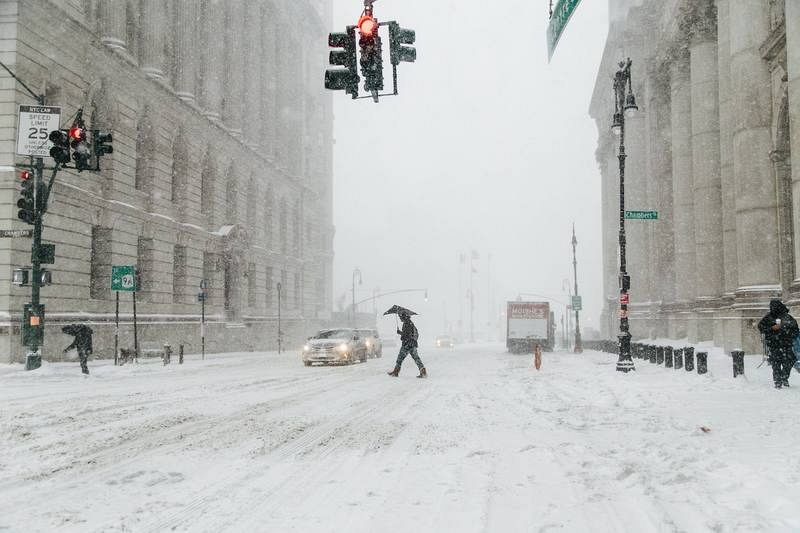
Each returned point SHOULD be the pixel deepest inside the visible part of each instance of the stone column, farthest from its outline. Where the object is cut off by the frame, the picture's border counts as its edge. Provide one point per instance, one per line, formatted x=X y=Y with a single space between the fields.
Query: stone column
x=112 y=24
x=186 y=52
x=234 y=59
x=706 y=170
x=757 y=225
x=253 y=63
x=682 y=190
x=154 y=25
x=213 y=68
x=726 y=148
x=269 y=81
x=793 y=68
x=756 y=209
x=660 y=194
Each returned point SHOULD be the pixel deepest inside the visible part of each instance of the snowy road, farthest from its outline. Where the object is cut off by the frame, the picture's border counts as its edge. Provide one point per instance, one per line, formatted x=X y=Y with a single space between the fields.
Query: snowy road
x=246 y=442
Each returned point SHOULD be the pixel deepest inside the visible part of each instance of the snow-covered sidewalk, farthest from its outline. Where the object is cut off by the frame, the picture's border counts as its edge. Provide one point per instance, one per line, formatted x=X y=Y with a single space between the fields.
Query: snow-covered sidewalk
x=257 y=442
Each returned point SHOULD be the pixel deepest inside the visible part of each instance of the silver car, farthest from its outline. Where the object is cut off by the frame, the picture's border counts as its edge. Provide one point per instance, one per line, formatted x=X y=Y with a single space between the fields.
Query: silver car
x=372 y=341
x=341 y=346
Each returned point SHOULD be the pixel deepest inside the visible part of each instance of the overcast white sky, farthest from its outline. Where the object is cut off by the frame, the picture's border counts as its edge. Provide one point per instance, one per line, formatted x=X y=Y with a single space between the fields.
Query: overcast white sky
x=487 y=147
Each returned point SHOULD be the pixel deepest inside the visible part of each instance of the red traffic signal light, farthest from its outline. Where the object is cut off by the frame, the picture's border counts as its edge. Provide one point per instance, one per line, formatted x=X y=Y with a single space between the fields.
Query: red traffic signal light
x=368 y=26
x=77 y=134
x=24 y=175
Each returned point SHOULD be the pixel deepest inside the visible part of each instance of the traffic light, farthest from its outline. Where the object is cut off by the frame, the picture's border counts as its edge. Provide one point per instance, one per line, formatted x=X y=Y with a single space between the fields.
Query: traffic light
x=60 y=149
x=371 y=54
x=27 y=204
x=398 y=37
x=80 y=148
x=346 y=79
x=101 y=144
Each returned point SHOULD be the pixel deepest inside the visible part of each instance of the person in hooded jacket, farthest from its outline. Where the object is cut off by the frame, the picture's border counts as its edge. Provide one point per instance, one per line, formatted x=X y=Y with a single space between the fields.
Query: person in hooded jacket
x=408 y=345
x=779 y=329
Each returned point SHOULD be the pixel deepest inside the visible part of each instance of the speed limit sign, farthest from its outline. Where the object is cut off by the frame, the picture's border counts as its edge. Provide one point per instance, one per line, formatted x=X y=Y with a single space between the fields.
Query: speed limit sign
x=33 y=129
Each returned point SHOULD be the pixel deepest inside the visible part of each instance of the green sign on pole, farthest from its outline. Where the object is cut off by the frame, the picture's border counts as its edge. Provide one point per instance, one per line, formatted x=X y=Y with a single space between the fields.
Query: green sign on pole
x=123 y=278
x=561 y=15
x=577 y=303
x=642 y=215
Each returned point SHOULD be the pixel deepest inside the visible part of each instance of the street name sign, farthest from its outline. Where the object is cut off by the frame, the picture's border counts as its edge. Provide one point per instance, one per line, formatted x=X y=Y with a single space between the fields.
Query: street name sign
x=34 y=124
x=123 y=278
x=14 y=233
x=561 y=15
x=577 y=303
x=641 y=215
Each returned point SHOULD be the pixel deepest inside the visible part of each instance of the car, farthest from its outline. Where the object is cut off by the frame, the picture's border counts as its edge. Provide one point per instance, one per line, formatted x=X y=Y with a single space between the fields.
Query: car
x=445 y=341
x=372 y=341
x=337 y=346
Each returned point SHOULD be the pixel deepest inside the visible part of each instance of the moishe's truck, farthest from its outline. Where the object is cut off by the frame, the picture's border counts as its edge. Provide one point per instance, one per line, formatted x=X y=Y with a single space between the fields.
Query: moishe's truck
x=529 y=324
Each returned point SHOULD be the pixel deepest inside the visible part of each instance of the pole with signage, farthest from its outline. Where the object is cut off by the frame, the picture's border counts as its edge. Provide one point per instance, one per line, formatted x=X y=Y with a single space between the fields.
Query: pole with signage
x=124 y=279
x=202 y=296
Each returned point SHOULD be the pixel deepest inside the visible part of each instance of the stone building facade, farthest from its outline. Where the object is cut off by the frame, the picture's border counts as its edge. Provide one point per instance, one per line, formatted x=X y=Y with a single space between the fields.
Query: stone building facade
x=222 y=167
x=715 y=148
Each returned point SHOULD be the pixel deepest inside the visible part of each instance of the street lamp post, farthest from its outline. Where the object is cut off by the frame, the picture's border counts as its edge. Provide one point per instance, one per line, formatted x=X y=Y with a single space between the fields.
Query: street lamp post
x=578 y=347
x=280 y=333
x=356 y=274
x=624 y=106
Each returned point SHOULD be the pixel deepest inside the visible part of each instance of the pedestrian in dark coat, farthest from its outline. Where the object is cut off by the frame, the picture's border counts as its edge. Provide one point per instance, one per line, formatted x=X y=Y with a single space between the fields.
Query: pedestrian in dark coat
x=408 y=345
x=82 y=342
x=779 y=329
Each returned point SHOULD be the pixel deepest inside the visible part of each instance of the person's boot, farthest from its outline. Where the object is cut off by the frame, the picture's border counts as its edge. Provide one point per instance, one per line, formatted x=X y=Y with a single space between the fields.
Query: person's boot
x=394 y=373
x=423 y=373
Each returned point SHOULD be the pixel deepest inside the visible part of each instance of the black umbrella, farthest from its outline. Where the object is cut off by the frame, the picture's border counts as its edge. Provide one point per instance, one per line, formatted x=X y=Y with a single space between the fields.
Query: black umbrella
x=76 y=329
x=397 y=310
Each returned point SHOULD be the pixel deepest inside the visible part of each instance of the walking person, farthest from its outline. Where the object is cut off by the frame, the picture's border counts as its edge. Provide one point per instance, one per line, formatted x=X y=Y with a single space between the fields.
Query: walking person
x=408 y=345
x=82 y=343
x=779 y=329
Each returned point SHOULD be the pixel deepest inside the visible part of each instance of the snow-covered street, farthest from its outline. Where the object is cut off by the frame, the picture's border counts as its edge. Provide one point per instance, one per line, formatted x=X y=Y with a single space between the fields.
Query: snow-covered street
x=257 y=442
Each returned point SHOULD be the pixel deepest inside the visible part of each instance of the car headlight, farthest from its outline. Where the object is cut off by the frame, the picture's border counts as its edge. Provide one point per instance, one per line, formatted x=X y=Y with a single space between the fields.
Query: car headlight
x=438 y=343
x=343 y=347
x=368 y=344
x=306 y=348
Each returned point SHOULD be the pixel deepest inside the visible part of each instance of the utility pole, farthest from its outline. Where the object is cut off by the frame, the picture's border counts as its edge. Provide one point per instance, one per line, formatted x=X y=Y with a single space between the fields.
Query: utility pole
x=356 y=274
x=578 y=347
x=472 y=256
x=280 y=333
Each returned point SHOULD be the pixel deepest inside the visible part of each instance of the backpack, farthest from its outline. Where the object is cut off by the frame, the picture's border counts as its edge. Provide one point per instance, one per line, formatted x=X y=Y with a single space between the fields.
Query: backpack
x=796 y=350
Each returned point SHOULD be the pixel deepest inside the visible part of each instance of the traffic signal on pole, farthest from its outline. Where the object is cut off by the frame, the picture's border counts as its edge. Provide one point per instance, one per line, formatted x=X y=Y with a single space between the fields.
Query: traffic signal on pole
x=101 y=144
x=60 y=149
x=398 y=39
x=27 y=203
x=80 y=148
x=346 y=79
x=371 y=54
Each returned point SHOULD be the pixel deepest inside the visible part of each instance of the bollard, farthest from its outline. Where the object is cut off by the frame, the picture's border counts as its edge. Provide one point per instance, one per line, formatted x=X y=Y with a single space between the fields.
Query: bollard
x=738 y=362
x=659 y=355
x=702 y=362
x=180 y=354
x=688 y=356
x=652 y=352
x=678 y=357
x=167 y=353
x=668 y=356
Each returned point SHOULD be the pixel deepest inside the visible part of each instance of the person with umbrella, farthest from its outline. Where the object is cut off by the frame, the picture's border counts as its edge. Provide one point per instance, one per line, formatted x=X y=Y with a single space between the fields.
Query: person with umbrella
x=82 y=342
x=409 y=337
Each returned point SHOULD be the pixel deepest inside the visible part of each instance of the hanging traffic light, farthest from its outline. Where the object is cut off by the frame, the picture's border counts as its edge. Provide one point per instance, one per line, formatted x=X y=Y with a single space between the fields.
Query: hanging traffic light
x=398 y=37
x=80 y=148
x=101 y=145
x=60 y=149
x=347 y=78
x=27 y=203
x=371 y=55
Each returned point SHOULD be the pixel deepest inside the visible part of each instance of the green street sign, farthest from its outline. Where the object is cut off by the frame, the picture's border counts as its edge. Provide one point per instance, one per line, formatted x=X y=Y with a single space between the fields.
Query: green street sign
x=561 y=15
x=641 y=215
x=577 y=303
x=123 y=278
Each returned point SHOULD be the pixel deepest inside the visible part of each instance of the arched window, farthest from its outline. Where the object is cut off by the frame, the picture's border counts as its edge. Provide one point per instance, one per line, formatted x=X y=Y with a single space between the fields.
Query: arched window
x=180 y=168
x=283 y=226
x=231 y=196
x=207 y=180
x=145 y=148
x=269 y=207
